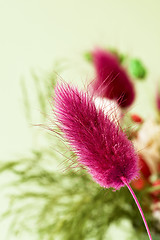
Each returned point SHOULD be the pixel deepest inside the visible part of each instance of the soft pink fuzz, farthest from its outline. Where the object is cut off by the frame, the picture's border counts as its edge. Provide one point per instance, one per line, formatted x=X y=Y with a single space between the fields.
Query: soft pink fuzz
x=100 y=145
x=111 y=80
x=158 y=100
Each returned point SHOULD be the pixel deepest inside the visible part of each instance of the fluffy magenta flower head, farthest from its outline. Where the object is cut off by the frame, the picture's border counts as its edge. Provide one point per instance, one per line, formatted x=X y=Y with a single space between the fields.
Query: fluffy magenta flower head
x=158 y=99
x=101 y=146
x=111 y=81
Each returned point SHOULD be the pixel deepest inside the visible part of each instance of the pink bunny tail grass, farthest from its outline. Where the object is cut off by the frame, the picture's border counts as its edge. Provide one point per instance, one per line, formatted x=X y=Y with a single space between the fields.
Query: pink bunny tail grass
x=101 y=146
x=139 y=207
x=158 y=99
x=111 y=81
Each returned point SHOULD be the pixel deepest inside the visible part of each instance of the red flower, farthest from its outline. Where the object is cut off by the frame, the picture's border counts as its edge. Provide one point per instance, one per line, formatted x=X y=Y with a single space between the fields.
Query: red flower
x=156 y=193
x=145 y=173
x=139 y=184
x=144 y=168
x=136 y=118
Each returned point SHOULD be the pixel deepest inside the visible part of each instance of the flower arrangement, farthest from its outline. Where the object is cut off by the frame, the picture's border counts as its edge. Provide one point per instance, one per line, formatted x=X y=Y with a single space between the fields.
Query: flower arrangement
x=55 y=204
x=146 y=136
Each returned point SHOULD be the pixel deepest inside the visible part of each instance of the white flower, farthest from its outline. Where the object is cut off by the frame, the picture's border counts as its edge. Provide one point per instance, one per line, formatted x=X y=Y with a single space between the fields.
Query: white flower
x=156 y=211
x=109 y=107
x=148 y=143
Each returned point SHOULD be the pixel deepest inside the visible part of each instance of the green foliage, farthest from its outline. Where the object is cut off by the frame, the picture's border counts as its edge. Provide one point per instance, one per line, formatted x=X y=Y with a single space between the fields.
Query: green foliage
x=88 y=56
x=67 y=205
x=137 y=69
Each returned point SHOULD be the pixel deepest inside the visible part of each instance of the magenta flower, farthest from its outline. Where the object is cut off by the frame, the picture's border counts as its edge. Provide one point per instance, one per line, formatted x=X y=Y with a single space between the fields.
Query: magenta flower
x=101 y=146
x=111 y=81
x=158 y=100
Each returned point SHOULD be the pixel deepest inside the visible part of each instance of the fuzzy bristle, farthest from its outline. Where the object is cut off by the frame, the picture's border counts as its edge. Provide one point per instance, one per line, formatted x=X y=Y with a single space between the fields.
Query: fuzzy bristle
x=101 y=146
x=111 y=80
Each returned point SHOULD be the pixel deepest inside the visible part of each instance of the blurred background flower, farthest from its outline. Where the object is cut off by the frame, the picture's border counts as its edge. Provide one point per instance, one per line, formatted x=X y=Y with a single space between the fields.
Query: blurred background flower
x=111 y=80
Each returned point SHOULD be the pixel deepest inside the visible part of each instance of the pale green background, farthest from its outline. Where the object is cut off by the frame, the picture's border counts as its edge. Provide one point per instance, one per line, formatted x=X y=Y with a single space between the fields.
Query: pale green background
x=33 y=33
